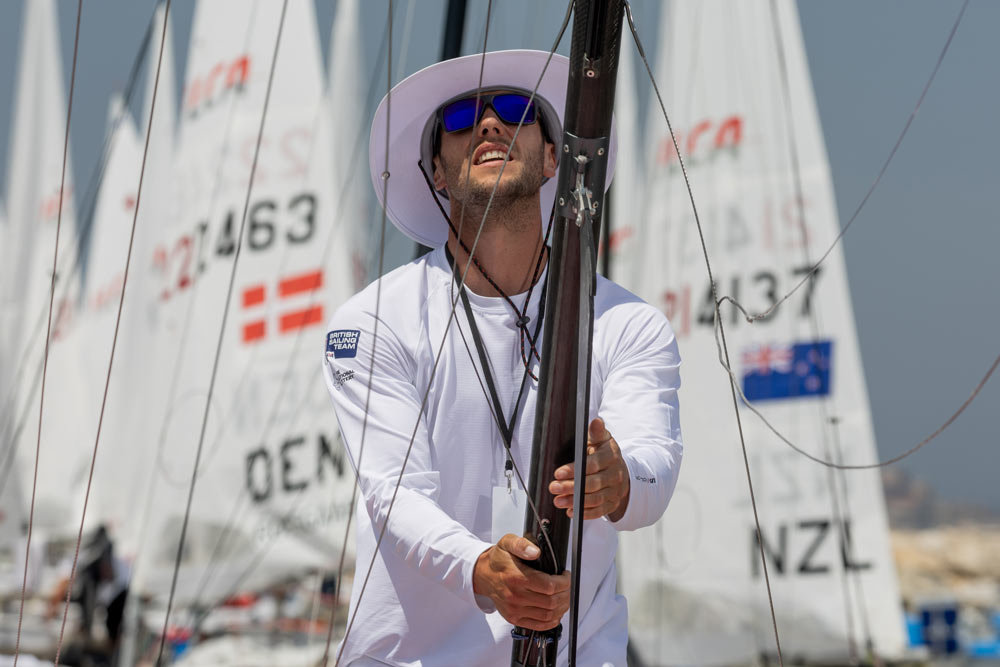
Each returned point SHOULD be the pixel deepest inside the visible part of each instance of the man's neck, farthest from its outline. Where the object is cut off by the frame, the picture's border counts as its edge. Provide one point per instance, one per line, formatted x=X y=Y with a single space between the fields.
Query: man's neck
x=507 y=249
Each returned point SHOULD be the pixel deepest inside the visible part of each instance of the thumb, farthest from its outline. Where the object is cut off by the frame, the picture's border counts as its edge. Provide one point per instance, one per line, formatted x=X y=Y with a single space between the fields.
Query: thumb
x=519 y=546
x=597 y=434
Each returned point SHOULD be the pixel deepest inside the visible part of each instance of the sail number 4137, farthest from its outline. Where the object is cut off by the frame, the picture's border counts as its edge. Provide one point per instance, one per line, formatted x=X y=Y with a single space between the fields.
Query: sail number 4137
x=757 y=292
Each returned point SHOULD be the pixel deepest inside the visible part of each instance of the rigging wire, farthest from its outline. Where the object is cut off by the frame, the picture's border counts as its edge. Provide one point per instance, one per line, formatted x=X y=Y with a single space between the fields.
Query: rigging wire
x=237 y=512
x=227 y=530
x=839 y=516
x=471 y=251
x=187 y=321
x=840 y=520
x=224 y=534
x=847 y=538
x=217 y=184
x=256 y=561
x=725 y=298
x=804 y=279
x=718 y=320
x=114 y=340
x=878 y=178
x=720 y=331
x=786 y=297
x=222 y=329
x=497 y=419
x=454 y=304
x=371 y=366
x=720 y=334
x=371 y=369
x=857 y=466
x=96 y=179
x=48 y=336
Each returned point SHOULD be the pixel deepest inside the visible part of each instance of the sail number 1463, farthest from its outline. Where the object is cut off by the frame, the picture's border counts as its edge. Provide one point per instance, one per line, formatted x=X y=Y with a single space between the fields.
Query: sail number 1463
x=268 y=223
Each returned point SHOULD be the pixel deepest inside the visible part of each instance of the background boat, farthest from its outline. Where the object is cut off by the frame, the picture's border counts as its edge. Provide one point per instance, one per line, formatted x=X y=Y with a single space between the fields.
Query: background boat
x=270 y=498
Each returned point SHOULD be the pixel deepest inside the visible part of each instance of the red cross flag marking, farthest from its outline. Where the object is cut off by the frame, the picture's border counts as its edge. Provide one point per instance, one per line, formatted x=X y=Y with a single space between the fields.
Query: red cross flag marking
x=293 y=288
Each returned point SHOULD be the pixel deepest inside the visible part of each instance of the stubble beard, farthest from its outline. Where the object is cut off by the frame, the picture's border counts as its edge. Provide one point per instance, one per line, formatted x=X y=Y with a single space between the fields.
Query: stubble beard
x=475 y=196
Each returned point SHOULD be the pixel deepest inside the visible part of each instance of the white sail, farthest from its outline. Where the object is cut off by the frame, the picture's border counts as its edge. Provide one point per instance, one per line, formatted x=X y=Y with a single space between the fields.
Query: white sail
x=694 y=581
x=34 y=172
x=136 y=396
x=273 y=483
x=348 y=124
x=118 y=460
x=34 y=163
x=12 y=502
x=626 y=195
x=4 y=239
x=109 y=235
x=4 y=356
x=33 y=190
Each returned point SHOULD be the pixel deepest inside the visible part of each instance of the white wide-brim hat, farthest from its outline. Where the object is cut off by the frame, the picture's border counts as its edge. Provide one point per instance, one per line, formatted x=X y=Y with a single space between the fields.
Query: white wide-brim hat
x=408 y=200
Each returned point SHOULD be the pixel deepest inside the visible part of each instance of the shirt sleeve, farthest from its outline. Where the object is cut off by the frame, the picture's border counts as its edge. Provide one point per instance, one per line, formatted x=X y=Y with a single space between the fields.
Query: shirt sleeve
x=383 y=426
x=640 y=409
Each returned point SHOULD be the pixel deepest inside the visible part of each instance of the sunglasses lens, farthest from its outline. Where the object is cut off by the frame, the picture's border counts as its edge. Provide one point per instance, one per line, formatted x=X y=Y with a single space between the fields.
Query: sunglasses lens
x=459 y=115
x=511 y=108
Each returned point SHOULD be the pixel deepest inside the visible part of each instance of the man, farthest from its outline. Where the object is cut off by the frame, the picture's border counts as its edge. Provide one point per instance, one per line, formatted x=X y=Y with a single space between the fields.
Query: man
x=102 y=581
x=437 y=409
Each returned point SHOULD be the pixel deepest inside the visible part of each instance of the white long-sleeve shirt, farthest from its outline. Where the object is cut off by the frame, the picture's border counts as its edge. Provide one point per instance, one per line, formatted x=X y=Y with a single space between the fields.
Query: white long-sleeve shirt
x=419 y=607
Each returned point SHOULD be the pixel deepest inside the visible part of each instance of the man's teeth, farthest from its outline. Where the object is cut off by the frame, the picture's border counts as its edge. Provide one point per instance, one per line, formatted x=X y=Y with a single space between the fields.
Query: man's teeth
x=491 y=155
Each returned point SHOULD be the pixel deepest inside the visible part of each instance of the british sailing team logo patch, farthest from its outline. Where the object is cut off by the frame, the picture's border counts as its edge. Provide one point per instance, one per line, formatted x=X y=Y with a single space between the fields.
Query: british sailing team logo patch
x=342 y=344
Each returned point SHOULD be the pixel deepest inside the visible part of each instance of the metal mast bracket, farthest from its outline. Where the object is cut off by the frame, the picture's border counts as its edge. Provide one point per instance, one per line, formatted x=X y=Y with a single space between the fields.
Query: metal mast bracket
x=577 y=187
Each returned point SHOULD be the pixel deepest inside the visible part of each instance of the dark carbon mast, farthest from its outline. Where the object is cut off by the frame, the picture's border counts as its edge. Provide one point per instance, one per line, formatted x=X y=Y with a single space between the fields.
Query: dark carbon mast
x=564 y=386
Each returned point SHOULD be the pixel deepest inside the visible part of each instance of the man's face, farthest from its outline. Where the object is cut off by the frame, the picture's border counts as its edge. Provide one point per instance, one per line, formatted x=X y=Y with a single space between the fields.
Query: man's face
x=532 y=159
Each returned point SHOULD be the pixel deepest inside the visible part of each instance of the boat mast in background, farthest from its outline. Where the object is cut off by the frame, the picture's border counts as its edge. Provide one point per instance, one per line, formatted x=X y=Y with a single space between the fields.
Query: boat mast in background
x=454 y=29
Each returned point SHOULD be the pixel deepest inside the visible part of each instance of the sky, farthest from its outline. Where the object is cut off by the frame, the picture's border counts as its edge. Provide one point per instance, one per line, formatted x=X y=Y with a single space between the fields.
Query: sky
x=921 y=257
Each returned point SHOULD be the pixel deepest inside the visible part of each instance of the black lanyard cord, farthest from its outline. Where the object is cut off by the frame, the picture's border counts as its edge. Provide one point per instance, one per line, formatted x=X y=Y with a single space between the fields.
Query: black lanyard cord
x=522 y=316
x=505 y=426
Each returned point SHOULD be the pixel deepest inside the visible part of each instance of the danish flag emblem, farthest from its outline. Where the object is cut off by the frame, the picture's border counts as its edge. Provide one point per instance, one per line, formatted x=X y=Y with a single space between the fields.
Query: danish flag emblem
x=289 y=294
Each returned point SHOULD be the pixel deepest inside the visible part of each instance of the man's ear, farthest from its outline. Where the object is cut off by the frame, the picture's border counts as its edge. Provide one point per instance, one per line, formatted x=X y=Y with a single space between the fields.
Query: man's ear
x=438 y=176
x=549 y=168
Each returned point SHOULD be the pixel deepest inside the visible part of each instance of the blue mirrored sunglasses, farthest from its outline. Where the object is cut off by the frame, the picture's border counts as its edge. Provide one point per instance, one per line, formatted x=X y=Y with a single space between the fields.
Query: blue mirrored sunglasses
x=509 y=107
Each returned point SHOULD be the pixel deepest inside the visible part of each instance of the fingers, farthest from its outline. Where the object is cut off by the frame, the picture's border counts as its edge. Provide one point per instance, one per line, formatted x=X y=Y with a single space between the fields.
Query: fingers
x=519 y=546
x=529 y=598
x=599 y=454
x=522 y=576
x=595 y=505
x=524 y=596
x=609 y=477
x=533 y=618
x=598 y=458
x=606 y=483
x=547 y=585
x=603 y=492
x=533 y=610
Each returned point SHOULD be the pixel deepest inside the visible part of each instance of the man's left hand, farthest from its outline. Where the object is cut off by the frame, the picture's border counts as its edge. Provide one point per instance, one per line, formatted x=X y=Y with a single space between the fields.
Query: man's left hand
x=607 y=483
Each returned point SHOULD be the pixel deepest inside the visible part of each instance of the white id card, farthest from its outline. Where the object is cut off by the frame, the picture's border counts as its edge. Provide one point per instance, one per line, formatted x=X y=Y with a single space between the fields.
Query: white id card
x=508 y=511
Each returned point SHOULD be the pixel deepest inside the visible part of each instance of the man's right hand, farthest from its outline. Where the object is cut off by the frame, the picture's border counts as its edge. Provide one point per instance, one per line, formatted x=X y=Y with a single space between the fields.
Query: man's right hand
x=523 y=595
